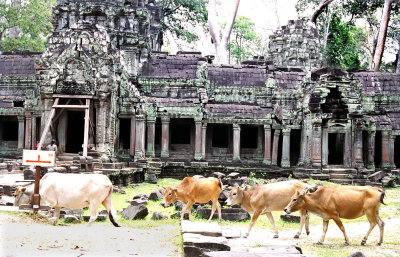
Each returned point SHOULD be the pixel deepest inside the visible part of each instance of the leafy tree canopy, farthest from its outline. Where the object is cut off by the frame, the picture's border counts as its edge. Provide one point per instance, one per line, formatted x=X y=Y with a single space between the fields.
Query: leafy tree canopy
x=177 y=14
x=342 y=47
x=243 y=39
x=25 y=25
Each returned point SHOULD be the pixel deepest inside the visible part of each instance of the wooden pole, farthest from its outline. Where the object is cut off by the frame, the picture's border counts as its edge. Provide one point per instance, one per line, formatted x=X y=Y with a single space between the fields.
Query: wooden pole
x=36 y=196
x=46 y=128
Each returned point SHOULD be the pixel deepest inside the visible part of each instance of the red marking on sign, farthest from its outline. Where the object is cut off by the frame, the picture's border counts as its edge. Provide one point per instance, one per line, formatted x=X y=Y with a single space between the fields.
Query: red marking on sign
x=38 y=161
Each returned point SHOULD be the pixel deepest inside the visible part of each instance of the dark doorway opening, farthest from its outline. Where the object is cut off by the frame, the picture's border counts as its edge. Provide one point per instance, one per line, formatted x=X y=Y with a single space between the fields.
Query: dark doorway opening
x=378 y=149
x=334 y=104
x=335 y=148
x=248 y=136
x=280 y=143
x=124 y=133
x=8 y=128
x=295 y=140
x=157 y=132
x=397 y=151
x=180 y=131
x=75 y=131
x=220 y=135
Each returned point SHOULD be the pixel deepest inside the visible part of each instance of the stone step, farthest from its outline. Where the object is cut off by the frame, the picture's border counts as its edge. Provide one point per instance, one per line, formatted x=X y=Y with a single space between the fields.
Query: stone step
x=342 y=181
x=339 y=170
x=339 y=176
x=320 y=176
x=114 y=165
x=110 y=171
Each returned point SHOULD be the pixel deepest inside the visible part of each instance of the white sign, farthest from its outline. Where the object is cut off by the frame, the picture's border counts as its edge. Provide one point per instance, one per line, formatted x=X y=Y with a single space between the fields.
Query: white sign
x=39 y=158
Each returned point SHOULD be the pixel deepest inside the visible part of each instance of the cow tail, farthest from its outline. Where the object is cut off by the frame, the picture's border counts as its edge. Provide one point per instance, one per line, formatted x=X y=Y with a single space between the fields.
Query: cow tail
x=382 y=196
x=112 y=214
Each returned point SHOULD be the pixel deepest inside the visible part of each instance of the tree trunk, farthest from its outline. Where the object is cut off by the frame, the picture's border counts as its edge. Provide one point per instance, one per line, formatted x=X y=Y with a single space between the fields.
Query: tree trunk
x=380 y=45
x=221 y=38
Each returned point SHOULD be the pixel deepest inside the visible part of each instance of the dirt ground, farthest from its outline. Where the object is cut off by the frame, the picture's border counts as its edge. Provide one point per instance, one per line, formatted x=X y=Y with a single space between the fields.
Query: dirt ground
x=21 y=237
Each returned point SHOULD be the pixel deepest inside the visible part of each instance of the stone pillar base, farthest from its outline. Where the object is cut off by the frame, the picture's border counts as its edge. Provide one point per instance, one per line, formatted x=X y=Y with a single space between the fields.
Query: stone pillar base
x=285 y=164
x=198 y=156
x=164 y=154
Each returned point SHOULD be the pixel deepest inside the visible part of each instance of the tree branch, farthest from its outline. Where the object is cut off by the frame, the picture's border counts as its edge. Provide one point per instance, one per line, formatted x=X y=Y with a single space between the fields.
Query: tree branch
x=215 y=30
x=229 y=25
x=320 y=9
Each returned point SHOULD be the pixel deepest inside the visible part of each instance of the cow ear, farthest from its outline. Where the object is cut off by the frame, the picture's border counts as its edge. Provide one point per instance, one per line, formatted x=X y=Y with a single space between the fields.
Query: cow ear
x=175 y=190
x=164 y=187
x=246 y=188
x=23 y=189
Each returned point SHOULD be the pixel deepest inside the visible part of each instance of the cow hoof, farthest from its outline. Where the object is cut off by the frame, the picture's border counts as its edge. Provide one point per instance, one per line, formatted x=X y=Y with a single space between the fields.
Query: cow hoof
x=378 y=244
x=319 y=243
x=346 y=244
x=308 y=232
x=276 y=236
x=363 y=242
x=296 y=236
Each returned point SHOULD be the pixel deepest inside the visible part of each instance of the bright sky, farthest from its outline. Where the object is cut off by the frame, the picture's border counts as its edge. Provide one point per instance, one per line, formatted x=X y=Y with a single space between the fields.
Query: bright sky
x=261 y=12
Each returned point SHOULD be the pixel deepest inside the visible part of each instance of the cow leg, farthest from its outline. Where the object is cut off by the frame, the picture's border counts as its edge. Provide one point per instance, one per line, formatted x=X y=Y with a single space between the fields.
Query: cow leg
x=271 y=219
x=94 y=206
x=372 y=222
x=214 y=206
x=307 y=223
x=219 y=212
x=340 y=225
x=325 y=228
x=188 y=207
x=303 y=217
x=253 y=220
x=56 y=216
x=111 y=212
x=381 y=225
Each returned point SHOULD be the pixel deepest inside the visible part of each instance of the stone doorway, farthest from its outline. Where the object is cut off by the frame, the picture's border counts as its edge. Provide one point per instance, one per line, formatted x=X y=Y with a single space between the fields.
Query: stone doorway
x=295 y=141
x=335 y=148
x=397 y=151
x=75 y=131
x=378 y=149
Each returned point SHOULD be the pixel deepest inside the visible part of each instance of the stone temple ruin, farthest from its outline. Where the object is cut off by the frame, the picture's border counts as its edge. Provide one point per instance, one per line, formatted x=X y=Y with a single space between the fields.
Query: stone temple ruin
x=104 y=90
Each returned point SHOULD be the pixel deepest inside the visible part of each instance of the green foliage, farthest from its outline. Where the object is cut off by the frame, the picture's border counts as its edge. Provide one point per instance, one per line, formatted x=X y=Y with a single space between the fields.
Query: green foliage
x=243 y=39
x=176 y=15
x=343 y=48
x=29 y=20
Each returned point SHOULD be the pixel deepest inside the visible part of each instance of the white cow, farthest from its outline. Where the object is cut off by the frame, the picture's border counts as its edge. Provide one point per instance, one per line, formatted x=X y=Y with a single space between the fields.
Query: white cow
x=72 y=191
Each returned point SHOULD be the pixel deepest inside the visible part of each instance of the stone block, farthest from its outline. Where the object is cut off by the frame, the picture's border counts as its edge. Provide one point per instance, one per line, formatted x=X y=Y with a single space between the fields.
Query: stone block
x=156 y=195
x=290 y=218
x=158 y=216
x=387 y=181
x=205 y=229
x=29 y=174
x=377 y=176
x=99 y=217
x=356 y=254
x=135 y=212
x=72 y=219
x=138 y=201
x=231 y=214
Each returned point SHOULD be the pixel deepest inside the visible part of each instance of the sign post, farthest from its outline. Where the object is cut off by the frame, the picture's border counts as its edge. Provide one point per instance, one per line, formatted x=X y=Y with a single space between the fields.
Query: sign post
x=39 y=159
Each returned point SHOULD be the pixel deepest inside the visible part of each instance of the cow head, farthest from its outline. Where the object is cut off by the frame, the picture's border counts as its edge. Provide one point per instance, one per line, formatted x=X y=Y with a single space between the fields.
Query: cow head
x=169 y=196
x=297 y=200
x=236 y=196
x=21 y=196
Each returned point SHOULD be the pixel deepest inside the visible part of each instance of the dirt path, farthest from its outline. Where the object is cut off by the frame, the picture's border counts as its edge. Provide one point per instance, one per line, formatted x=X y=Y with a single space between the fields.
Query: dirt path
x=20 y=237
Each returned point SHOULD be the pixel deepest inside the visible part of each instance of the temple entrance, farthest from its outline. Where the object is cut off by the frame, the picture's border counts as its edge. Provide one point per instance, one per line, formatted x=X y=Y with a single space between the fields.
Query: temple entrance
x=397 y=151
x=378 y=149
x=124 y=134
x=75 y=131
x=295 y=140
x=335 y=148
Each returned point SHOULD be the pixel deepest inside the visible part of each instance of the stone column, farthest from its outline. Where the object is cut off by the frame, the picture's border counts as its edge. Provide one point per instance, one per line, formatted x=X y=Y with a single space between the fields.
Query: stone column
x=140 y=137
x=357 y=146
x=33 y=131
x=324 y=155
x=274 y=160
x=387 y=149
x=347 y=149
x=267 y=144
x=286 y=147
x=132 y=136
x=28 y=130
x=150 y=138
x=165 y=136
x=259 y=152
x=101 y=126
x=236 y=142
x=203 y=139
x=371 y=150
x=316 y=157
x=198 y=141
x=21 y=124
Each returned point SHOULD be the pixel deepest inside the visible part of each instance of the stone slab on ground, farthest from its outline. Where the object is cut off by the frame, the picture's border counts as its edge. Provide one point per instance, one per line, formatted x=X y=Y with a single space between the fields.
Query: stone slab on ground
x=231 y=214
x=206 y=243
x=205 y=229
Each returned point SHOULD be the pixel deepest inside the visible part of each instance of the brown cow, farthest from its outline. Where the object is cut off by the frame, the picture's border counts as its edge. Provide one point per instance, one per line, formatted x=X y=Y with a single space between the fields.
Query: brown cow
x=348 y=202
x=195 y=190
x=263 y=199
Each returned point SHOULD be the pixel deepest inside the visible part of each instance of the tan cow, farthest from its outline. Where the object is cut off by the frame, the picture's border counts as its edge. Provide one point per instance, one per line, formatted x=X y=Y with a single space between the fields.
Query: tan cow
x=195 y=190
x=263 y=199
x=348 y=202
x=73 y=191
